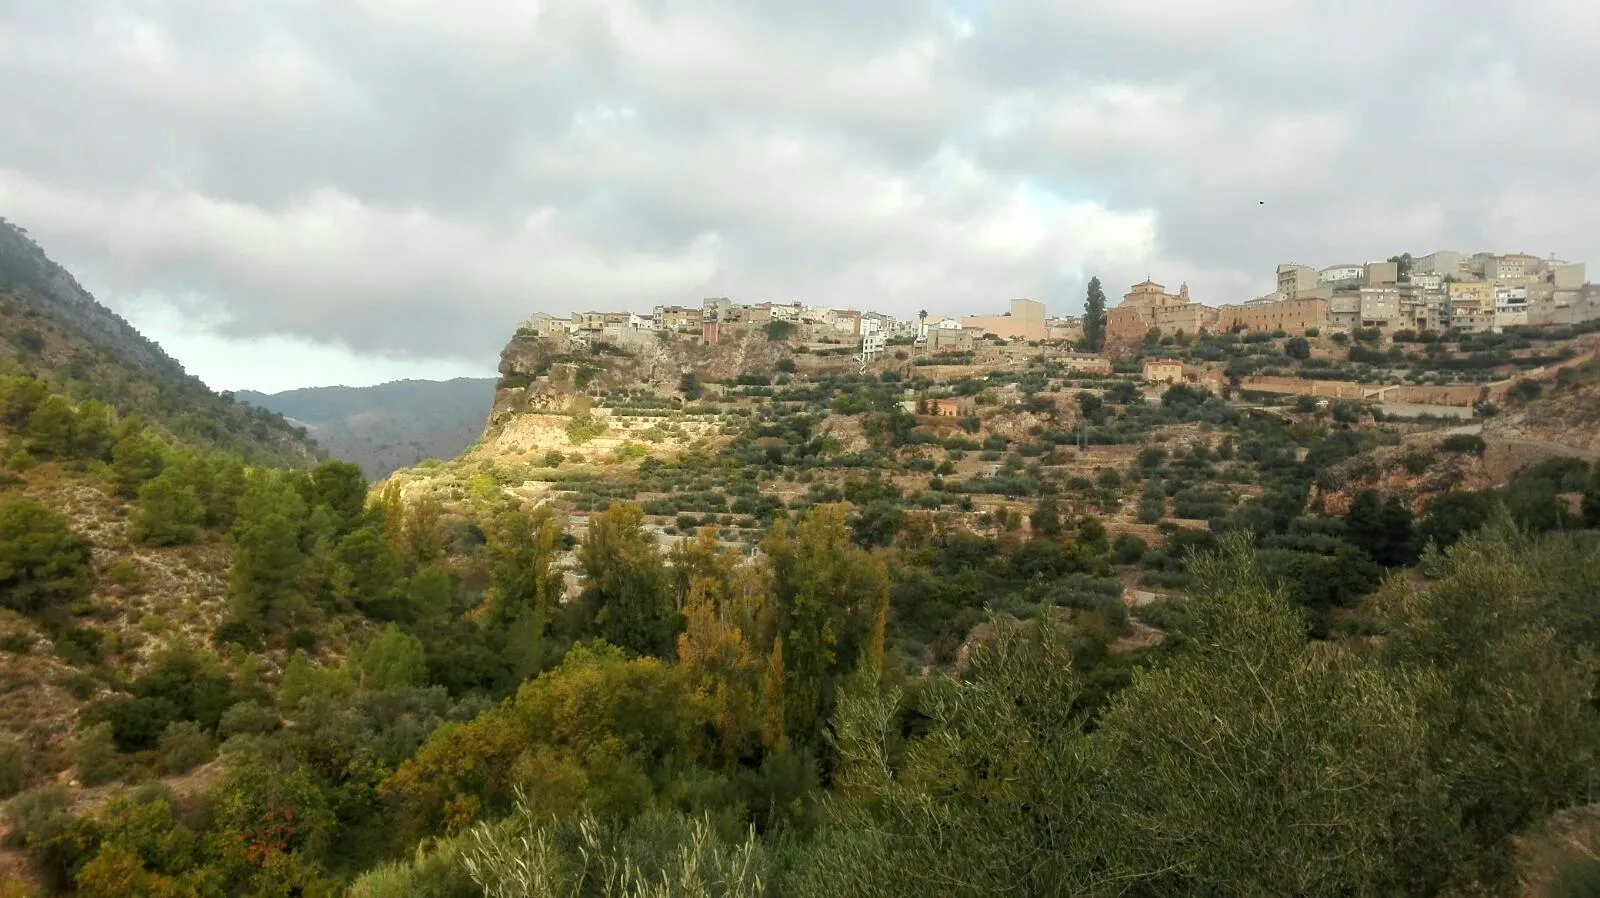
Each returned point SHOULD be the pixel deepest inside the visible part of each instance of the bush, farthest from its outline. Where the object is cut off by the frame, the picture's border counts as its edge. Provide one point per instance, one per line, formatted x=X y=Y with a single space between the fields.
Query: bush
x=1127 y=549
x=96 y=756
x=184 y=746
x=13 y=767
x=42 y=564
x=1525 y=390
x=247 y=719
x=1463 y=442
x=136 y=723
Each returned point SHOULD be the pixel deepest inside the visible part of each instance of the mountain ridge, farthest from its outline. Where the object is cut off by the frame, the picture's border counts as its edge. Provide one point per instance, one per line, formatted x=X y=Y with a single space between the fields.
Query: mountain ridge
x=53 y=329
x=387 y=426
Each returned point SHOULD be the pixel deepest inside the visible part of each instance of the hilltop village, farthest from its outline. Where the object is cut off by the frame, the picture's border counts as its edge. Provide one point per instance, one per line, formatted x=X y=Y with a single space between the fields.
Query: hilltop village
x=1439 y=292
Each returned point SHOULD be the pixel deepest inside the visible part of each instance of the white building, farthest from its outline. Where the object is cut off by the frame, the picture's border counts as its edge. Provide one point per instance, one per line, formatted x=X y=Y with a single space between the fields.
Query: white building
x=1342 y=274
x=873 y=343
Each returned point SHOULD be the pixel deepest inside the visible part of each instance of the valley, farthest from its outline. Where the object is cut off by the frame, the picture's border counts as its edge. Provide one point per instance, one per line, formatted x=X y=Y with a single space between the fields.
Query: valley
x=749 y=613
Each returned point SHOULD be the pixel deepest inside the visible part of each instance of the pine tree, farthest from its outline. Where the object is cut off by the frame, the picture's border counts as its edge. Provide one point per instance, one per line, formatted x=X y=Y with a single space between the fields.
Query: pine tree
x=1094 y=317
x=52 y=426
x=169 y=512
x=135 y=458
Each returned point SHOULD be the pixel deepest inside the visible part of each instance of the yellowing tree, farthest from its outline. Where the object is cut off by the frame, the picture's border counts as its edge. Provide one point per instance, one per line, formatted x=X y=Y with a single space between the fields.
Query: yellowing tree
x=830 y=602
x=627 y=582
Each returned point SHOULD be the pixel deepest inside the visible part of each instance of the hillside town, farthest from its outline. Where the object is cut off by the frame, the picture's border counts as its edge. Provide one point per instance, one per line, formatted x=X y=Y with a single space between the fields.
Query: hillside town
x=1442 y=291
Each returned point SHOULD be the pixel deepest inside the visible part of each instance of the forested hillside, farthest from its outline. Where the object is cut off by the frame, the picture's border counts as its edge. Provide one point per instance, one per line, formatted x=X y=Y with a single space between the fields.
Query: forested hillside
x=389 y=426
x=793 y=636
x=51 y=328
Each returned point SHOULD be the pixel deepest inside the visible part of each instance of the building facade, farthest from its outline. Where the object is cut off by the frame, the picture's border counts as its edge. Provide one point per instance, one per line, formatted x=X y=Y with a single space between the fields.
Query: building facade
x=1295 y=279
x=1292 y=316
x=1026 y=321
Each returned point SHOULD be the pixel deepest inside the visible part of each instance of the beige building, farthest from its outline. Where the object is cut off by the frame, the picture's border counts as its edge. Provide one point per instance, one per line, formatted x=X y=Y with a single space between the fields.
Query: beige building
x=1085 y=363
x=1444 y=263
x=1295 y=279
x=1512 y=267
x=544 y=324
x=1025 y=321
x=1467 y=296
x=1163 y=371
x=1379 y=274
x=1379 y=307
x=1568 y=277
x=673 y=318
x=942 y=340
x=1292 y=316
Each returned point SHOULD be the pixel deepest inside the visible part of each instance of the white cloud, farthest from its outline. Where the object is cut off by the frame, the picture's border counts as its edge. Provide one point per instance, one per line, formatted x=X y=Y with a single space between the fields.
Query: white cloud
x=408 y=179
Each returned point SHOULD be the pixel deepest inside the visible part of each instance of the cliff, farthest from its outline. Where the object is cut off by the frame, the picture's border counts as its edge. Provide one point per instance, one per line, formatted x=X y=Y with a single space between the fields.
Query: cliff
x=543 y=374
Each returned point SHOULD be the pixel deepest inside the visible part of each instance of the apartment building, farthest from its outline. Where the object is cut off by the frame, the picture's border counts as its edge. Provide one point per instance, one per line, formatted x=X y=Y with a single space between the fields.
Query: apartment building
x=1379 y=307
x=1295 y=279
x=1444 y=263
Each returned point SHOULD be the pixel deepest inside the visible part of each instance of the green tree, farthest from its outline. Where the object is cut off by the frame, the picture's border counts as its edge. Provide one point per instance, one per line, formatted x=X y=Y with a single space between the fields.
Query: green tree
x=1297 y=348
x=93 y=430
x=19 y=397
x=169 y=511
x=266 y=810
x=342 y=488
x=265 y=588
x=1499 y=646
x=52 y=427
x=1251 y=765
x=521 y=549
x=1094 y=317
x=830 y=600
x=135 y=459
x=368 y=574
x=42 y=564
x=1402 y=267
x=1449 y=516
x=392 y=660
x=1046 y=518
x=1382 y=529
x=626 y=582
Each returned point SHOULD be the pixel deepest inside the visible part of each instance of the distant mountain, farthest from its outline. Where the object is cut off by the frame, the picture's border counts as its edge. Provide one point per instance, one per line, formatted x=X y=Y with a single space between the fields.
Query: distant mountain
x=389 y=426
x=51 y=328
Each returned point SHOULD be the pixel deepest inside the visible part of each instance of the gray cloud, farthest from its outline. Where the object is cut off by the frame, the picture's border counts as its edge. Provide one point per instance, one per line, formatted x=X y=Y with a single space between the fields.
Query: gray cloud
x=410 y=178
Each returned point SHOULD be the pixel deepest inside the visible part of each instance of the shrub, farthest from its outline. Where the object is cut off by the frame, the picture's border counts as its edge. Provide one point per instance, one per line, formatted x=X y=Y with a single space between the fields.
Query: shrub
x=1525 y=390
x=1463 y=442
x=42 y=564
x=95 y=756
x=184 y=746
x=1127 y=549
x=13 y=767
x=247 y=719
x=136 y=723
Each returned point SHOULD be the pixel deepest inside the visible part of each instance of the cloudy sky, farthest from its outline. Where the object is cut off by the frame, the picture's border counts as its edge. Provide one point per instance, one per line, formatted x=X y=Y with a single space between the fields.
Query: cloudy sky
x=297 y=192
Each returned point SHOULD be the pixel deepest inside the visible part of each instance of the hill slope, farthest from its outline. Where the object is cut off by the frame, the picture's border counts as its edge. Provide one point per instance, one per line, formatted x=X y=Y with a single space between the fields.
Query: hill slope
x=51 y=328
x=388 y=426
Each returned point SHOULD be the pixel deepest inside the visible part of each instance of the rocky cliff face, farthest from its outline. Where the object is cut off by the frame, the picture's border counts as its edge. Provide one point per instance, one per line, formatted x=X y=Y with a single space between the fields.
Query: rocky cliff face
x=542 y=375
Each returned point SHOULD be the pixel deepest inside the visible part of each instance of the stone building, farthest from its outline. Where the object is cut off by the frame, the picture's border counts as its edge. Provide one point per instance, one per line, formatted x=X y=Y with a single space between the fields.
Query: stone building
x=1292 y=316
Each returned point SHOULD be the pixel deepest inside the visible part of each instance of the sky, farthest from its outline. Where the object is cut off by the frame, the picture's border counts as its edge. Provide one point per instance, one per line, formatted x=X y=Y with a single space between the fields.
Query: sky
x=289 y=193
